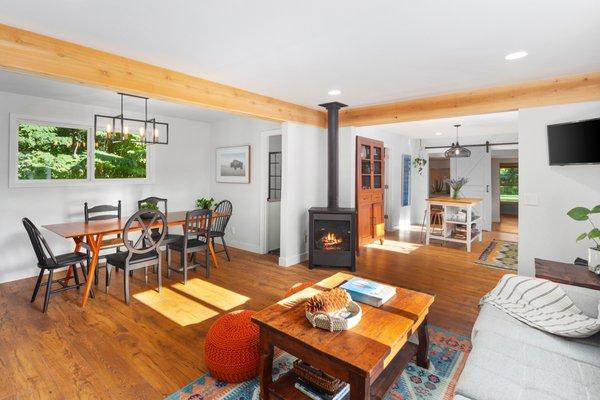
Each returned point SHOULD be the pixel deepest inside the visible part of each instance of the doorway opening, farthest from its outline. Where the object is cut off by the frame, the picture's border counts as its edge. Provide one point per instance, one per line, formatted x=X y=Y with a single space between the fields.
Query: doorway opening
x=506 y=178
x=272 y=158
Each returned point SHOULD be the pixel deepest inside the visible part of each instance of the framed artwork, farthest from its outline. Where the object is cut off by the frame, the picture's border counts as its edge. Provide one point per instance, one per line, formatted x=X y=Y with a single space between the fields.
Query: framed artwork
x=233 y=164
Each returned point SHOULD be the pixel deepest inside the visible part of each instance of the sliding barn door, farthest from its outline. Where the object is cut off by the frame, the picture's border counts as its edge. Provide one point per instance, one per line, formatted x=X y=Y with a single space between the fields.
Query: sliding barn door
x=370 y=167
x=478 y=169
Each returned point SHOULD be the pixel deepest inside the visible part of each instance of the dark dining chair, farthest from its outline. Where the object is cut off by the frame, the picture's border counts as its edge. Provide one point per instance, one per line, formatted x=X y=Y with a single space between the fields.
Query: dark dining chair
x=220 y=223
x=101 y=213
x=48 y=261
x=194 y=240
x=144 y=252
x=161 y=203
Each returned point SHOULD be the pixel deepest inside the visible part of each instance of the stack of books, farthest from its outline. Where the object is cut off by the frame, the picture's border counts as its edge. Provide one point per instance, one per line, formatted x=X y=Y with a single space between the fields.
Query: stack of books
x=460 y=232
x=369 y=292
x=317 y=393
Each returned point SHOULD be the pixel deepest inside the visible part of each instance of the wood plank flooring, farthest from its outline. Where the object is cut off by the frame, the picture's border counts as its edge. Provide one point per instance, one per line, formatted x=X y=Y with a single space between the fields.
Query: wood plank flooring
x=155 y=345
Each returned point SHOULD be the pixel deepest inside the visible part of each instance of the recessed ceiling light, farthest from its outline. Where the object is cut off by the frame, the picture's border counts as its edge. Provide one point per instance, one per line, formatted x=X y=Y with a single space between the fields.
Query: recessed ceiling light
x=438 y=134
x=516 y=55
x=334 y=92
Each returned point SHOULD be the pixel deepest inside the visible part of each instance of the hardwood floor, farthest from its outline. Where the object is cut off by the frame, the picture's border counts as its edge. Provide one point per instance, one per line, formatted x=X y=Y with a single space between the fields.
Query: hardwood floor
x=155 y=345
x=507 y=224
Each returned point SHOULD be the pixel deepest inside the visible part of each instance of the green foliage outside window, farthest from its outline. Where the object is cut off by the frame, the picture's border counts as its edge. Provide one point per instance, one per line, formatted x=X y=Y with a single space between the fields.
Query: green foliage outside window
x=119 y=159
x=509 y=184
x=51 y=152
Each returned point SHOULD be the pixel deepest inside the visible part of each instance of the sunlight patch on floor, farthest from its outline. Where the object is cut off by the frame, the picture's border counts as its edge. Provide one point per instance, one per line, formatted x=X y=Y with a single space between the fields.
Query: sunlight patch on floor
x=209 y=293
x=395 y=246
x=178 y=308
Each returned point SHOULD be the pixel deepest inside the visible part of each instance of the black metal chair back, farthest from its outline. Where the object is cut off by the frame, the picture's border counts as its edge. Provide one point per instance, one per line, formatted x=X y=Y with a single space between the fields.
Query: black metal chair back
x=105 y=211
x=156 y=201
x=220 y=223
x=197 y=223
x=145 y=243
x=39 y=244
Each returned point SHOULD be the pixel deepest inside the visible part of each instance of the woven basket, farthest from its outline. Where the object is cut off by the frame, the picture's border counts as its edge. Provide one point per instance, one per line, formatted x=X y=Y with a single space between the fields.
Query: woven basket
x=335 y=322
x=320 y=379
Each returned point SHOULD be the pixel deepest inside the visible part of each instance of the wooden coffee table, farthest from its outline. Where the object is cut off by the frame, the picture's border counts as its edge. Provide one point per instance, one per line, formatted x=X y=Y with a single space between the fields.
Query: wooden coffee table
x=369 y=357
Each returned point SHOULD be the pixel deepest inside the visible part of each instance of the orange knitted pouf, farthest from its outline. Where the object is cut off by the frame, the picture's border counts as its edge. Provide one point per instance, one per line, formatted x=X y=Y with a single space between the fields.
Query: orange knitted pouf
x=298 y=287
x=231 y=347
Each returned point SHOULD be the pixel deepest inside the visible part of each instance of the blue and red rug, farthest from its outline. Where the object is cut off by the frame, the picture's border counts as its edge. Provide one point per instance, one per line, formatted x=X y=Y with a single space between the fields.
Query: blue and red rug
x=447 y=353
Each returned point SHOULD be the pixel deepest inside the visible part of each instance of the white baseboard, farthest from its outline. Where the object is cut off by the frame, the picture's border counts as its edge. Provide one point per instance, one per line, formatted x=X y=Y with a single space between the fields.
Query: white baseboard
x=292 y=260
x=254 y=248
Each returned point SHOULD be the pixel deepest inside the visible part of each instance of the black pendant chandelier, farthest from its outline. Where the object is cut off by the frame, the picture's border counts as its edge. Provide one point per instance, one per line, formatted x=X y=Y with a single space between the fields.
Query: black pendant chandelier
x=456 y=150
x=120 y=128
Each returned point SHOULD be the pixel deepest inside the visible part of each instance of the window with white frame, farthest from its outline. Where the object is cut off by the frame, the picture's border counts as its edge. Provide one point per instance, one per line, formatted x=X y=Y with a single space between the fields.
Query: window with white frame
x=49 y=153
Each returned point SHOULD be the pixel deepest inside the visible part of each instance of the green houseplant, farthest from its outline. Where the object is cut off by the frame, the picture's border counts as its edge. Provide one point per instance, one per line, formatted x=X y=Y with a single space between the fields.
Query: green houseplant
x=205 y=203
x=585 y=214
x=419 y=163
x=148 y=206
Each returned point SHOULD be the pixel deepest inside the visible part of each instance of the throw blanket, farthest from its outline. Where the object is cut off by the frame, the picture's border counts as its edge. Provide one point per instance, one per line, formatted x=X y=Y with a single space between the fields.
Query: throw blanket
x=541 y=304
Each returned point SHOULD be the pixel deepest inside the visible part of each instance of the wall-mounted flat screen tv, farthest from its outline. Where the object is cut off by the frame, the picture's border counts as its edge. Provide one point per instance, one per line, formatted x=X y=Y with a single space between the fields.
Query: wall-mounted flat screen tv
x=574 y=142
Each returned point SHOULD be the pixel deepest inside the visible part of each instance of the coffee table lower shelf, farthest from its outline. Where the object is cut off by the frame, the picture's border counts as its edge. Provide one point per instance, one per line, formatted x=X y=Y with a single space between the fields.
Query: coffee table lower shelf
x=284 y=389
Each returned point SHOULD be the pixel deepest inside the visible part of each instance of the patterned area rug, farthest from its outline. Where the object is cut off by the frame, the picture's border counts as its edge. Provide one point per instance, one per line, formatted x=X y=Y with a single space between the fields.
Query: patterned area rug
x=447 y=352
x=500 y=254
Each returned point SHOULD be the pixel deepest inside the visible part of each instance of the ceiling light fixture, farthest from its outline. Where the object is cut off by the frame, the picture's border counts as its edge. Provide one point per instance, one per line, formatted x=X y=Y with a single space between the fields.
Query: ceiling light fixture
x=438 y=134
x=334 y=92
x=117 y=128
x=516 y=55
x=456 y=150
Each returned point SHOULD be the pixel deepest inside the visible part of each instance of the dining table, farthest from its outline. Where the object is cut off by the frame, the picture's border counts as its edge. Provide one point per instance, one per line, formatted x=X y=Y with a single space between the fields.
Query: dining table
x=90 y=235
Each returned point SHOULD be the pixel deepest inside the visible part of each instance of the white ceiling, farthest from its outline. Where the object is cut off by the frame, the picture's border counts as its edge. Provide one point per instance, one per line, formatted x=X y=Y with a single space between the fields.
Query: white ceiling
x=48 y=88
x=472 y=125
x=374 y=51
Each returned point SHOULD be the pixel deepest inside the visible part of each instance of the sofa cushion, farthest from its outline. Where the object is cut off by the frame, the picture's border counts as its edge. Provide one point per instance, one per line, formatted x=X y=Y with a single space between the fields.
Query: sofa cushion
x=501 y=368
x=494 y=320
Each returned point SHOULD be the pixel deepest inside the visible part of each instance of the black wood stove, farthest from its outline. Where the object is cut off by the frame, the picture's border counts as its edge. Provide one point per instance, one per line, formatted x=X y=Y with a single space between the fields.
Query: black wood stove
x=332 y=230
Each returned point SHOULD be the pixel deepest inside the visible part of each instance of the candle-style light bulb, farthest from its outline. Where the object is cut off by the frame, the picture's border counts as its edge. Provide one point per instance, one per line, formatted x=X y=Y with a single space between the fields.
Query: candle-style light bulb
x=155 y=135
x=108 y=128
x=125 y=132
x=142 y=133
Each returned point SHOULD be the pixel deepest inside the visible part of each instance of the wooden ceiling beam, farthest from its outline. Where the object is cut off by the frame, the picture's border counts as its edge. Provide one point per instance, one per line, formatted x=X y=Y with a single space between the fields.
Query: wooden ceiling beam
x=28 y=52
x=565 y=89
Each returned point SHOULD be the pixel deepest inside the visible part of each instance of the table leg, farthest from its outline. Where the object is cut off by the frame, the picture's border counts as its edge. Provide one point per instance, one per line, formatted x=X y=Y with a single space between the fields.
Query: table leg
x=77 y=241
x=266 y=364
x=423 y=348
x=94 y=243
x=360 y=387
x=213 y=254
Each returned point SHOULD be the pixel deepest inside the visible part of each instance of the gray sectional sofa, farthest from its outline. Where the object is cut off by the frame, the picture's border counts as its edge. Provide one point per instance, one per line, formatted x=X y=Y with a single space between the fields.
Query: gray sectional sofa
x=513 y=361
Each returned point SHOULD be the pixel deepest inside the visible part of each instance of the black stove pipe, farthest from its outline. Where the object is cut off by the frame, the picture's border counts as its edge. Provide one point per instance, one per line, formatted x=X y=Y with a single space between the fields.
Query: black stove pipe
x=333 y=109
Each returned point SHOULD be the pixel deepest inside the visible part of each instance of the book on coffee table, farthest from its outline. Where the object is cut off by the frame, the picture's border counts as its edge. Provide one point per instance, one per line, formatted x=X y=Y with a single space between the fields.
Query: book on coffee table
x=316 y=393
x=368 y=292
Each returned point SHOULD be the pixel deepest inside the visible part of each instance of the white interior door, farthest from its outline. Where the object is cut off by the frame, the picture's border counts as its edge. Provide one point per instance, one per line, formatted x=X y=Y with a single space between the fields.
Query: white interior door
x=478 y=170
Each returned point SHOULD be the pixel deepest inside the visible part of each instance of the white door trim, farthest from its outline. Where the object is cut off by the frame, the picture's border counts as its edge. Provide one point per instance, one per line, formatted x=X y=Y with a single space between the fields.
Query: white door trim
x=264 y=185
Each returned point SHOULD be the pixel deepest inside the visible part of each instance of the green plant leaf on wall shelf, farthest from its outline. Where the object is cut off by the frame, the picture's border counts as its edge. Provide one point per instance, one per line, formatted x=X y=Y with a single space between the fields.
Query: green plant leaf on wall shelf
x=595 y=210
x=579 y=213
x=581 y=237
x=594 y=233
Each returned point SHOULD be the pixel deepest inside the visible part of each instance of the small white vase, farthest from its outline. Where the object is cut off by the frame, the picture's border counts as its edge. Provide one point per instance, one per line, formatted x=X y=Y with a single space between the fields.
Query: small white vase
x=593 y=259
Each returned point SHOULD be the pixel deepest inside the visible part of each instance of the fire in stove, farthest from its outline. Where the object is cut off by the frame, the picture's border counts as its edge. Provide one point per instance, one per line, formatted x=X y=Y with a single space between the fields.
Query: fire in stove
x=330 y=241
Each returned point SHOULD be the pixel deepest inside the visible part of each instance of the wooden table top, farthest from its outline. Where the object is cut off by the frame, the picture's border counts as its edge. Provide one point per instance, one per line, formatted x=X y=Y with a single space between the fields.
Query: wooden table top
x=370 y=345
x=110 y=226
x=462 y=200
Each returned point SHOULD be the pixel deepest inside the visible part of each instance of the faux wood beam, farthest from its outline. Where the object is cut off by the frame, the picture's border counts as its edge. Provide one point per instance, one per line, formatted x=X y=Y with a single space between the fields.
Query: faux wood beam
x=565 y=89
x=29 y=52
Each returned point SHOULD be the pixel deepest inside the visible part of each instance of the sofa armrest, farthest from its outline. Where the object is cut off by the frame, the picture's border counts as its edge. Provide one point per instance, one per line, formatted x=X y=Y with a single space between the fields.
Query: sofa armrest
x=586 y=299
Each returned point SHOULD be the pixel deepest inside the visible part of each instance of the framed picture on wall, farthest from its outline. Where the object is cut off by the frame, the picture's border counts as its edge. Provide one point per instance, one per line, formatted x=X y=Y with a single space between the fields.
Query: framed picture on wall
x=233 y=164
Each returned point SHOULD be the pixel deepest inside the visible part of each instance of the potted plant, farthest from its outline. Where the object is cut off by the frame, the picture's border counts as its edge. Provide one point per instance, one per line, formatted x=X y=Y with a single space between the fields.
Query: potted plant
x=419 y=163
x=205 y=204
x=456 y=184
x=148 y=206
x=584 y=214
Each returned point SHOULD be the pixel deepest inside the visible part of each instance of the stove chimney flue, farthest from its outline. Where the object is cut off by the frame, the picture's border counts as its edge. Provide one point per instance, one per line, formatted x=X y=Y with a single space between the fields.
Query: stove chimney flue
x=333 y=109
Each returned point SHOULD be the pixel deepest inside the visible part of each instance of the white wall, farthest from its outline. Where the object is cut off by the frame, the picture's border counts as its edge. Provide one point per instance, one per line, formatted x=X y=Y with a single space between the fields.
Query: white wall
x=397 y=145
x=304 y=171
x=244 y=225
x=181 y=177
x=546 y=193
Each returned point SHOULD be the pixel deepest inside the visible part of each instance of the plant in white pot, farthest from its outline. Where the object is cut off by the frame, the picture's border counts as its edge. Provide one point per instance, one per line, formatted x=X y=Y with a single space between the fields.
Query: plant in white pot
x=584 y=214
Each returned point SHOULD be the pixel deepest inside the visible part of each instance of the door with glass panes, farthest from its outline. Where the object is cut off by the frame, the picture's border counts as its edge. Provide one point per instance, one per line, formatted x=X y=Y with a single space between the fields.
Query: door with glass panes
x=370 y=167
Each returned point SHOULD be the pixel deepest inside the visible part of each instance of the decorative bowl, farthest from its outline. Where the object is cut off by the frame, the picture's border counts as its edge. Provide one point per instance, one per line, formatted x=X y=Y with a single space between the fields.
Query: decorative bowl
x=341 y=320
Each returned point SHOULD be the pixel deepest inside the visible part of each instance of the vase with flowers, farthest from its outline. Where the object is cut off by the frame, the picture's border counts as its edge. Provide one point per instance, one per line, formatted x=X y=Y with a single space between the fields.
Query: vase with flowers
x=456 y=185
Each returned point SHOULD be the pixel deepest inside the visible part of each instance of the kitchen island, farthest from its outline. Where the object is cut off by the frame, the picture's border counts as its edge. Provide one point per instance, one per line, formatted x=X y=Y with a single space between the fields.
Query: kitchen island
x=459 y=223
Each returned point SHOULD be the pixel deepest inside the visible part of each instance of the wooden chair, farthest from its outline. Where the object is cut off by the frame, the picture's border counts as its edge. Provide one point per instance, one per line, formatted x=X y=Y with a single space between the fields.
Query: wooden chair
x=48 y=261
x=194 y=239
x=220 y=223
x=143 y=253
x=100 y=213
